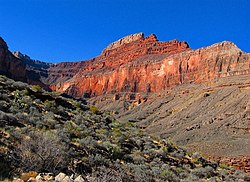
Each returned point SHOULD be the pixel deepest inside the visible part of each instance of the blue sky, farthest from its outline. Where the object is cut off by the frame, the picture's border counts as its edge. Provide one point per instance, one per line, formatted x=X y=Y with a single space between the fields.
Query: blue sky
x=73 y=30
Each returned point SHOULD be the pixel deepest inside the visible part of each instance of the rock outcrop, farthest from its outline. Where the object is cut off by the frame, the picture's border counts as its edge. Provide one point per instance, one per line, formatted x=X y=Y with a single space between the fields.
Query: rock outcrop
x=36 y=71
x=124 y=40
x=10 y=65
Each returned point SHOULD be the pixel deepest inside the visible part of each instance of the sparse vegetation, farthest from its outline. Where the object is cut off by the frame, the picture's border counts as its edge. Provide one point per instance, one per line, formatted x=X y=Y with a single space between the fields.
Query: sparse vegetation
x=40 y=151
x=224 y=166
x=43 y=132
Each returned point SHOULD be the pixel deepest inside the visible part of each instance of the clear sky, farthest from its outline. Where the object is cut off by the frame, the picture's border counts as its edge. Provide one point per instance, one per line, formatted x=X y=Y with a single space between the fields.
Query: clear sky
x=73 y=30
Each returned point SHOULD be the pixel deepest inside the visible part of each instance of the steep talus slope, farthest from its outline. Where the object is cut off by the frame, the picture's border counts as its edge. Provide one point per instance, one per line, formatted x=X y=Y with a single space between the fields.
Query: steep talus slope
x=212 y=118
x=45 y=132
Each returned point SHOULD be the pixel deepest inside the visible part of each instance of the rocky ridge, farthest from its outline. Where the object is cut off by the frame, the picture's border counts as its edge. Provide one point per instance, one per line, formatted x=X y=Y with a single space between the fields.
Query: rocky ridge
x=31 y=64
x=20 y=67
x=132 y=64
x=124 y=40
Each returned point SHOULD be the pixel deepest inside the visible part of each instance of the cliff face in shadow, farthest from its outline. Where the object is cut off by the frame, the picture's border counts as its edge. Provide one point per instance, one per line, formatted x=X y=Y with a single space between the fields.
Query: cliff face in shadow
x=10 y=65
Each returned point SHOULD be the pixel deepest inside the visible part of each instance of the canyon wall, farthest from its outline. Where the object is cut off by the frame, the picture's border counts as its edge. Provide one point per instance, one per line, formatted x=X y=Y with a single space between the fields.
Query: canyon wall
x=132 y=64
x=147 y=65
x=10 y=65
x=104 y=74
x=20 y=67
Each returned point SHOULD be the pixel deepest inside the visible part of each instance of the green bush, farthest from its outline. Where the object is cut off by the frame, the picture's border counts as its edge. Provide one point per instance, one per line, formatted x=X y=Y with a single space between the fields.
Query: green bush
x=37 y=88
x=94 y=109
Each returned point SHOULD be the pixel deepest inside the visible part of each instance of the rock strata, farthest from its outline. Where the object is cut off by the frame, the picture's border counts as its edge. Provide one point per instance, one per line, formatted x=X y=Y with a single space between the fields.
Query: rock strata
x=115 y=70
x=10 y=65
x=21 y=67
x=125 y=40
x=132 y=64
x=148 y=65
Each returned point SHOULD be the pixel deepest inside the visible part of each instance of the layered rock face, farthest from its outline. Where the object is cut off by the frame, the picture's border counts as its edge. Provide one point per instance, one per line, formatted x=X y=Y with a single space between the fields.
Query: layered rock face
x=132 y=64
x=36 y=71
x=112 y=71
x=124 y=40
x=21 y=67
x=10 y=65
x=138 y=64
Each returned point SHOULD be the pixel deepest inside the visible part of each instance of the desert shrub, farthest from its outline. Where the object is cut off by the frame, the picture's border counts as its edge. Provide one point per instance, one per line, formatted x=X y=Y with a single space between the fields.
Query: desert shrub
x=103 y=173
x=169 y=175
x=94 y=110
x=5 y=167
x=224 y=166
x=25 y=92
x=247 y=177
x=37 y=88
x=41 y=152
x=88 y=141
x=37 y=101
x=4 y=96
x=49 y=120
x=206 y=172
x=9 y=81
x=19 y=85
x=48 y=105
x=98 y=160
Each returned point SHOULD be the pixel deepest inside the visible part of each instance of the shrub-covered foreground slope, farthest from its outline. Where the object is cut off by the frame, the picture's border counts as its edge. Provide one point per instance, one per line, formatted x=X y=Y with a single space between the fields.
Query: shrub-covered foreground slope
x=45 y=132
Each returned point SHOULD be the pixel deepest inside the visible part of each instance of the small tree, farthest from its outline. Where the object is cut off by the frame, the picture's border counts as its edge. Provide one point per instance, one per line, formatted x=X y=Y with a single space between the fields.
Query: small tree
x=41 y=152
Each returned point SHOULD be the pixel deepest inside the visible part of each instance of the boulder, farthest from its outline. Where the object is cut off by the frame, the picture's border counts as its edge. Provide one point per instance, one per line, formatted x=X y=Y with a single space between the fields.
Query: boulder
x=60 y=177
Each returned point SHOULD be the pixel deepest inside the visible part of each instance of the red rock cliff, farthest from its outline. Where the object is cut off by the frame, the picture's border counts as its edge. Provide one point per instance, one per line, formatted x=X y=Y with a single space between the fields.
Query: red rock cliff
x=10 y=65
x=141 y=64
x=132 y=64
x=105 y=73
x=20 y=67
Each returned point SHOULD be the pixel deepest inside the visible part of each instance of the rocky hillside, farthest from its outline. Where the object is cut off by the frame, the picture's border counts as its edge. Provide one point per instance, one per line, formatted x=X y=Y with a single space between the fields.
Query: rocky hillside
x=36 y=71
x=212 y=118
x=45 y=132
